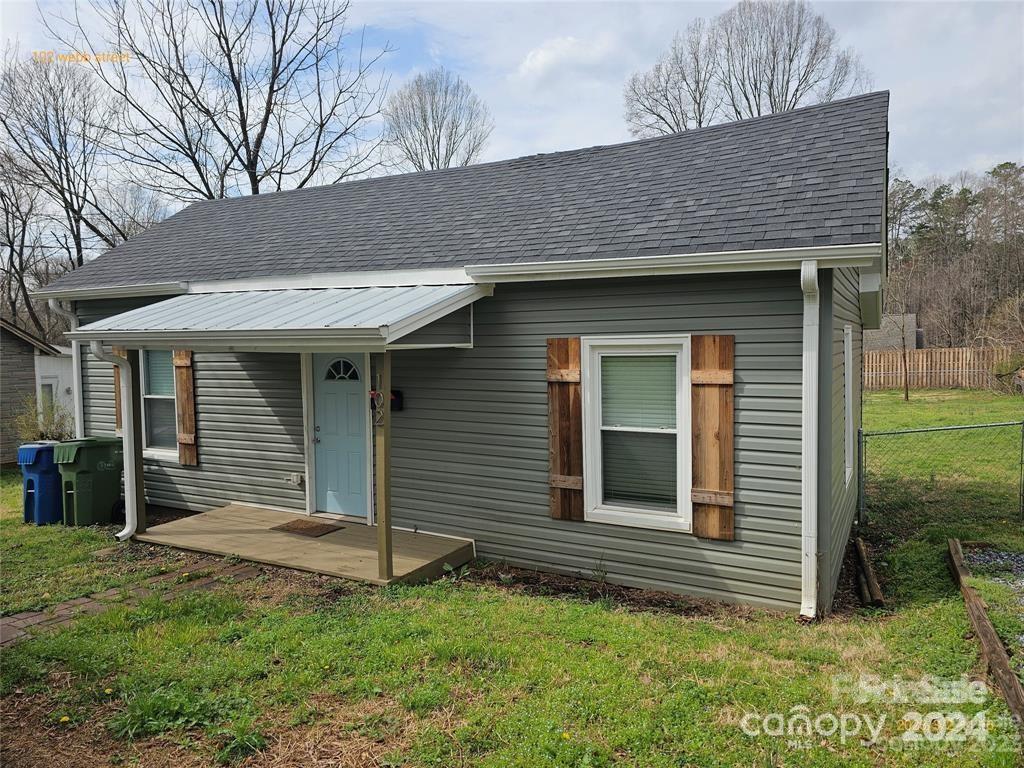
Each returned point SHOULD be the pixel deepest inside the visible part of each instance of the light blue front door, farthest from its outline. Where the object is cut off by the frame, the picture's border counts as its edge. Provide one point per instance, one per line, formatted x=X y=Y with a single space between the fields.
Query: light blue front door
x=341 y=404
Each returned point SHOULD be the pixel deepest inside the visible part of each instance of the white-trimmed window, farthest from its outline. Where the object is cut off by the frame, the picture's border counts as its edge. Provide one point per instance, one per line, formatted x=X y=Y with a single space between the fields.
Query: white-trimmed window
x=159 y=407
x=850 y=450
x=636 y=431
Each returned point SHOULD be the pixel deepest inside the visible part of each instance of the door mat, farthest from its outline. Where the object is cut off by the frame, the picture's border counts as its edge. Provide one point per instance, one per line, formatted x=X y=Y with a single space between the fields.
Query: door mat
x=311 y=528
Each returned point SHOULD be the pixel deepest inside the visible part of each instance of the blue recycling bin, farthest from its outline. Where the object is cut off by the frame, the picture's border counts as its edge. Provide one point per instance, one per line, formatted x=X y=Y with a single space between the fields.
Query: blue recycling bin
x=40 y=483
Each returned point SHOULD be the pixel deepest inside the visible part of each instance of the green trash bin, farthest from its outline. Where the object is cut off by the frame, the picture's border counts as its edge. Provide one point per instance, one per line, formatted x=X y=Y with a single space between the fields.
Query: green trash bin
x=90 y=479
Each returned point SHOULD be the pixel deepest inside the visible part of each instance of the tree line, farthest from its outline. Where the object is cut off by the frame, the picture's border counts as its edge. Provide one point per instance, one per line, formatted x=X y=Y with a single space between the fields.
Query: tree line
x=956 y=256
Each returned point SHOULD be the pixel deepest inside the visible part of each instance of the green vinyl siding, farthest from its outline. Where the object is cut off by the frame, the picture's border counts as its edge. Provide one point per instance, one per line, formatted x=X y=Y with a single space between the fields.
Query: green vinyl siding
x=837 y=495
x=470 y=450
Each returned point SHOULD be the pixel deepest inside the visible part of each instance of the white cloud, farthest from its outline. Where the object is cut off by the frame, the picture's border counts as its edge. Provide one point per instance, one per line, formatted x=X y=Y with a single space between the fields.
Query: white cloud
x=564 y=55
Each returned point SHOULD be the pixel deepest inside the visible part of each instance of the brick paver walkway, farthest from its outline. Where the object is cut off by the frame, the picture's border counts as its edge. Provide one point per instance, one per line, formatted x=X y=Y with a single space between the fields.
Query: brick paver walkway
x=208 y=572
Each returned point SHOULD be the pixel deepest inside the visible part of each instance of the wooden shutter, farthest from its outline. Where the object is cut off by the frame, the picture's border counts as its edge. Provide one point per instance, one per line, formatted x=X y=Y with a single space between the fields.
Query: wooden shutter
x=118 y=426
x=565 y=428
x=711 y=379
x=184 y=390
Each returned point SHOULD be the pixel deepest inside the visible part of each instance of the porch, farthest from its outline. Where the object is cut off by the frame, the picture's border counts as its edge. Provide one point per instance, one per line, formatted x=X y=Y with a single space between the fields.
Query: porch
x=348 y=550
x=345 y=338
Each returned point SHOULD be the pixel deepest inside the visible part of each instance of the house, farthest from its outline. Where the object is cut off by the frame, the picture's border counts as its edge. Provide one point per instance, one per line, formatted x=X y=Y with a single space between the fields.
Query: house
x=21 y=354
x=55 y=382
x=894 y=332
x=636 y=362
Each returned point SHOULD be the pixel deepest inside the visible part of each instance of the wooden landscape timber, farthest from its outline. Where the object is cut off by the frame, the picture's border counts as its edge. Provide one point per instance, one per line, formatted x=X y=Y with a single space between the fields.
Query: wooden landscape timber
x=870 y=589
x=992 y=647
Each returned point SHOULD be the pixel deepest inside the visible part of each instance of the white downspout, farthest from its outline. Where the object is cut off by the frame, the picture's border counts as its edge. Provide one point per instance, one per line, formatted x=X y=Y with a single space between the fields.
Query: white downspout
x=76 y=366
x=131 y=512
x=809 y=442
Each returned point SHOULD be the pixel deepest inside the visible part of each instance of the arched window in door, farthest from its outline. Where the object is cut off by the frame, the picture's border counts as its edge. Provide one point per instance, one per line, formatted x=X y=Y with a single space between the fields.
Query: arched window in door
x=342 y=370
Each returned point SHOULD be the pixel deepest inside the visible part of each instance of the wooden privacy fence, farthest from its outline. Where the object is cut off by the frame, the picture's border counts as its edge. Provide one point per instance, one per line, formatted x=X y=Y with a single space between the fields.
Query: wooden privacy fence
x=938 y=368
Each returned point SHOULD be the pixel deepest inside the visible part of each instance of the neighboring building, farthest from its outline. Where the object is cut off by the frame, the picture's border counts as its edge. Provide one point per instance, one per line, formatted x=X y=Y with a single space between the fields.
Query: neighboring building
x=639 y=361
x=893 y=332
x=55 y=382
x=20 y=352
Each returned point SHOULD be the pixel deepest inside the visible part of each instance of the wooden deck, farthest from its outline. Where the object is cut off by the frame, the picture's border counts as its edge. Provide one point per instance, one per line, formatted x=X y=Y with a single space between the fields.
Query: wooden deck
x=350 y=552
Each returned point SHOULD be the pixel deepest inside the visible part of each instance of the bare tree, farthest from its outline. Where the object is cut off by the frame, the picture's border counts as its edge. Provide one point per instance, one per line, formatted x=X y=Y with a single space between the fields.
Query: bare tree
x=780 y=55
x=25 y=261
x=899 y=302
x=18 y=207
x=436 y=121
x=223 y=98
x=755 y=59
x=130 y=209
x=679 y=92
x=55 y=117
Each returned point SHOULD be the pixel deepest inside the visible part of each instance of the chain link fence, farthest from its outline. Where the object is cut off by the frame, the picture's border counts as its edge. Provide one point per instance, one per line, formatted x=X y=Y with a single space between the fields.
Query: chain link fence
x=972 y=473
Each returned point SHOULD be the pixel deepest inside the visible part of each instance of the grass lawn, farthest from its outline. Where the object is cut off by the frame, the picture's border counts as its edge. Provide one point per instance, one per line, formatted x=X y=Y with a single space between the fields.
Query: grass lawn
x=938 y=408
x=925 y=488
x=291 y=669
x=42 y=566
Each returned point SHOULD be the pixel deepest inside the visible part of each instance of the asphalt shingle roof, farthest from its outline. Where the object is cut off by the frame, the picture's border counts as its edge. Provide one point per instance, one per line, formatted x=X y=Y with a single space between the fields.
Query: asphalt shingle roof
x=815 y=176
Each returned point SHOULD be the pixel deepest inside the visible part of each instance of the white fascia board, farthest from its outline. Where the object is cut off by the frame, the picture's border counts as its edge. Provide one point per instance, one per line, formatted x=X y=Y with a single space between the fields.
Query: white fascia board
x=681 y=264
x=374 y=279
x=809 y=441
x=635 y=266
x=378 y=279
x=284 y=338
x=115 y=292
x=468 y=295
x=871 y=290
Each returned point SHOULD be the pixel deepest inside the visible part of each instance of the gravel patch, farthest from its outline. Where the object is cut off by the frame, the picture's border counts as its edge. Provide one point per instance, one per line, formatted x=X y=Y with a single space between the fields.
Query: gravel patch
x=989 y=560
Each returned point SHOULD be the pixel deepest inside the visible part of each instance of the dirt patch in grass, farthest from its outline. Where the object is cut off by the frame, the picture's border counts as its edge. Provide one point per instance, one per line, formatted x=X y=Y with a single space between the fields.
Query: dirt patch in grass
x=286 y=587
x=31 y=739
x=538 y=583
x=344 y=736
x=358 y=735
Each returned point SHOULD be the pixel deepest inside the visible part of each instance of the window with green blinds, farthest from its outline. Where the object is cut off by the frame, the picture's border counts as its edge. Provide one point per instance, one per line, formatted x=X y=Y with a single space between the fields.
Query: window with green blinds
x=638 y=431
x=638 y=391
x=159 y=372
x=158 y=402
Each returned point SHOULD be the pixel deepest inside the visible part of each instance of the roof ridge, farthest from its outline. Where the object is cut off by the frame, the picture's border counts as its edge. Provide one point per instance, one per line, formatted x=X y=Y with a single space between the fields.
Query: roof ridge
x=665 y=138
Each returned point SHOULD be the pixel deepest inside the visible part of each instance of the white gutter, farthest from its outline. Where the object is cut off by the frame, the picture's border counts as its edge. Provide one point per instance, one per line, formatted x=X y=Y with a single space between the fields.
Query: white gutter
x=113 y=292
x=363 y=279
x=773 y=259
x=809 y=442
x=131 y=511
x=76 y=366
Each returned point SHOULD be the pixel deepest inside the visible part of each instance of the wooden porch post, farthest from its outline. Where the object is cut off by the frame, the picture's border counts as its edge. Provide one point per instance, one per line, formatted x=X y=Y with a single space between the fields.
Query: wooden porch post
x=382 y=489
x=136 y=427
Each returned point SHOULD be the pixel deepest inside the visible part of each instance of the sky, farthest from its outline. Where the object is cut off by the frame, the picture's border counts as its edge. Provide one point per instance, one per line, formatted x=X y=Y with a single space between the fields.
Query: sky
x=552 y=73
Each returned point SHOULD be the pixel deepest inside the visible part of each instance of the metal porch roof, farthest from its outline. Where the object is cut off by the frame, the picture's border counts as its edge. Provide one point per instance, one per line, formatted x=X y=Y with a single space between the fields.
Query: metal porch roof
x=363 y=317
